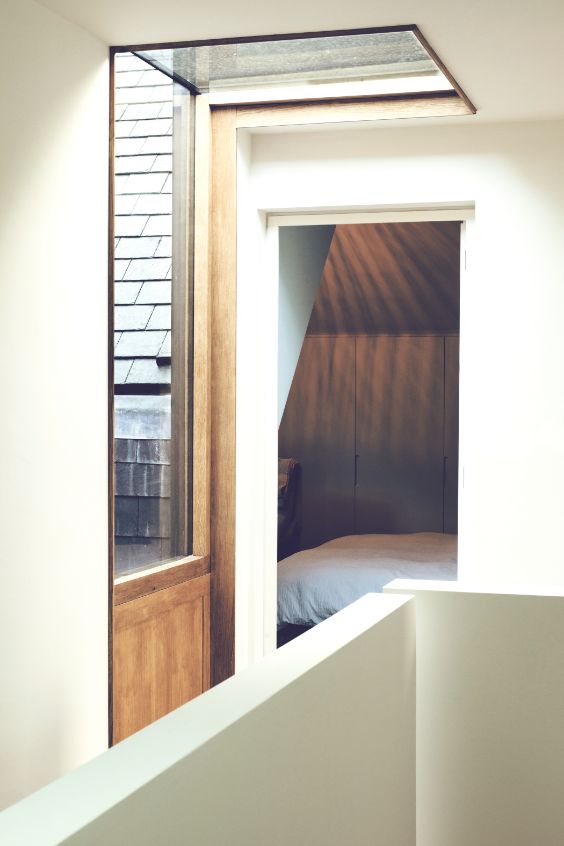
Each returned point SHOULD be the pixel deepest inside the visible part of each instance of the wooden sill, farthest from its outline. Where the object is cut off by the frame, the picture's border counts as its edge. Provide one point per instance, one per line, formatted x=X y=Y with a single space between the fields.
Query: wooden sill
x=160 y=577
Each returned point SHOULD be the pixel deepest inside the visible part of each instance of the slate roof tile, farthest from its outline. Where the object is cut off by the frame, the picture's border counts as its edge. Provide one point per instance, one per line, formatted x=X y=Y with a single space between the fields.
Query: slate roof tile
x=132 y=344
x=123 y=128
x=120 y=266
x=129 y=146
x=137 y=247
x=127 y=515
x=146 y=371
x=165 y=110
x=127 y=62
x=122 y=366
x=155 y=77
x=157 y=144
x=130 y=224
x=141 y=183
x=119 y=110
x=160 y=224
x=125 y=293
x=149 y=127
x=154 y=204
x=125 y=79
x=167 y=187
x=163 y=162
x=130 y=317
x=155 y=293
x=142 y=480
x=142 y=111
x=135 y=164
x=117 y=337
x=153 y=451
x=165 y=350
x=143 y=94
x=160 y=318
x=150 y=269
x=126 y=449
x=154 y=517
x=124 y=203
x=165 y=248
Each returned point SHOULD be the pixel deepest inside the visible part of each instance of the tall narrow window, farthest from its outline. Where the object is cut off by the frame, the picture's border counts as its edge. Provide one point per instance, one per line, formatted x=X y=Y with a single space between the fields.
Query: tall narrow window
x=152 y=318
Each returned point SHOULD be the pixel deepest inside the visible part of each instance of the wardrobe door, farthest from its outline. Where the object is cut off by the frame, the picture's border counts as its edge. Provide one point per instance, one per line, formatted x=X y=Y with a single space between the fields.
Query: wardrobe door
x=317 y=429
x=399 y=434
x=451 y=434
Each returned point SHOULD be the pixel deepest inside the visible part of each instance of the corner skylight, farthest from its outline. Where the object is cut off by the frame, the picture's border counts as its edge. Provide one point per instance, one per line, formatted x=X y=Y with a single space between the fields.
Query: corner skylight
x=361 y=63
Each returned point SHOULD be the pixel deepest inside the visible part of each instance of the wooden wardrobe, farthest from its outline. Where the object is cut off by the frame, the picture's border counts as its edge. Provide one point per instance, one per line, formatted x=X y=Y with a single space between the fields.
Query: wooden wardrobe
x=373 y=420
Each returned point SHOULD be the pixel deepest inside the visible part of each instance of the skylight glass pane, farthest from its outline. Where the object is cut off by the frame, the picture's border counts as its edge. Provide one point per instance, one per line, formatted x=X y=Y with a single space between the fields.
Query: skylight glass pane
x=299 y=61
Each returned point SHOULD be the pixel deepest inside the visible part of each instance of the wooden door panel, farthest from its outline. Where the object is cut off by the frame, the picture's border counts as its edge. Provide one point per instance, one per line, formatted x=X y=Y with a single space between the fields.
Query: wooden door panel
x=161 y=655
x=399 y=434
x=317 y=429
x=451 y=434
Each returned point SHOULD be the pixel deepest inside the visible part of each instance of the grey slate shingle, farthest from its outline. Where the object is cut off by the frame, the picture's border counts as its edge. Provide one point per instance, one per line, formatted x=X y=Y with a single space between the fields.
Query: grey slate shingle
x=132 y=317
x=153 y=451
x=155 y=293
x=128 y=78
x=154 y=204
x=129 y=146
x=160 y=318
x=123 y=128
x=154 y=517
x=135 y=164
x=165 y=350
x=122 y=366
x=130 y=225
x=155 y=77
x=167 y=187
x=117 y=336
x=127 y=516
x=126 y=449
x=125 y=293
x=164 y=249
x=143 y=247
x=146 y=371
x=142 y=480
x=160 y=224
x=120 y=266
x=157 y=144
x=143 y=343
x=141 y=183
x=165 y=110
x=160 y=126
x=161 y=163
x=143 y=94
x=125 y=203
x=153 y=268
x=142 y=111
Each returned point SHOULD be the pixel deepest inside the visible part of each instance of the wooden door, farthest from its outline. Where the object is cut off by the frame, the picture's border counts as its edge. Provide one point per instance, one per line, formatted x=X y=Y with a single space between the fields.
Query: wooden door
x=451 y=434
x=317 y=429
x=399 y=434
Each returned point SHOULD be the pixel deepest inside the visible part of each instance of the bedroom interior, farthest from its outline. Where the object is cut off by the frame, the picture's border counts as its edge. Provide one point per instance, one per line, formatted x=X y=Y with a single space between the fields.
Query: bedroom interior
x=368 y=437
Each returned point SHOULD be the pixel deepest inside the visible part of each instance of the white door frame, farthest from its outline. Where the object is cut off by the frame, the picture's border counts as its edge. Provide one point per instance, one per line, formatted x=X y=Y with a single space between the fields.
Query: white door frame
x=257 y=368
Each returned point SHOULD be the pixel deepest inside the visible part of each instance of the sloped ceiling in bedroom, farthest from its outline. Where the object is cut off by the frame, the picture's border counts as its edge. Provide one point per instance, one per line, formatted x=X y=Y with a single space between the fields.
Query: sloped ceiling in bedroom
x=390 y=278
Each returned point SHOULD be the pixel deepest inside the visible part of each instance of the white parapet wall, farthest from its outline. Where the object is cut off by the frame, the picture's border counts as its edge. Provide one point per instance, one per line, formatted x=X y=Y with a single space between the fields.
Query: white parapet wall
x=490 y=714
x=314 y=746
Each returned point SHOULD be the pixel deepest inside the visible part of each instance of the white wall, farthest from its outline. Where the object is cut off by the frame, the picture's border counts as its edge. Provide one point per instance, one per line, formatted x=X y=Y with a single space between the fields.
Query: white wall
x=53 y=425
x=490 y=711
x=512 y=346
x=314 y=745
x=302 y=254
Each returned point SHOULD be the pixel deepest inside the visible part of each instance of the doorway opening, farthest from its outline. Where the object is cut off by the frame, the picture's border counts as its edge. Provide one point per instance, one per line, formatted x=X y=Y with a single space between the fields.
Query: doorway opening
x=368 y=396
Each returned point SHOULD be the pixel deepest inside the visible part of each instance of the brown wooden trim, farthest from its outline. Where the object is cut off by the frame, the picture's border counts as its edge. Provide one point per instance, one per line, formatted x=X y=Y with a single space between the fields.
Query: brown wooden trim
x=159 y=578
x=202 y=333
x=223 y=398
x=111 y=519
x=250 y=39
x=446 y=105
x=443 y=68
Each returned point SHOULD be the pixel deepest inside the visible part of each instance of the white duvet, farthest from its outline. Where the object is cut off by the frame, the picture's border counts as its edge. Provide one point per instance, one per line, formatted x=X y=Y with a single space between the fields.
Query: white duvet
x=315 y=583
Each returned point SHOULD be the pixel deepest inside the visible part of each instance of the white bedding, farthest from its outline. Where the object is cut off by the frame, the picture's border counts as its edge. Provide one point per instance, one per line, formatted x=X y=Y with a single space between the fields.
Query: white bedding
x=315 y=583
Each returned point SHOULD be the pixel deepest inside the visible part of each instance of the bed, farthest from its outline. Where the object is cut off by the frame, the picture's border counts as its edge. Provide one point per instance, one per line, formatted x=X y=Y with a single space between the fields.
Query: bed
x=316 y=583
